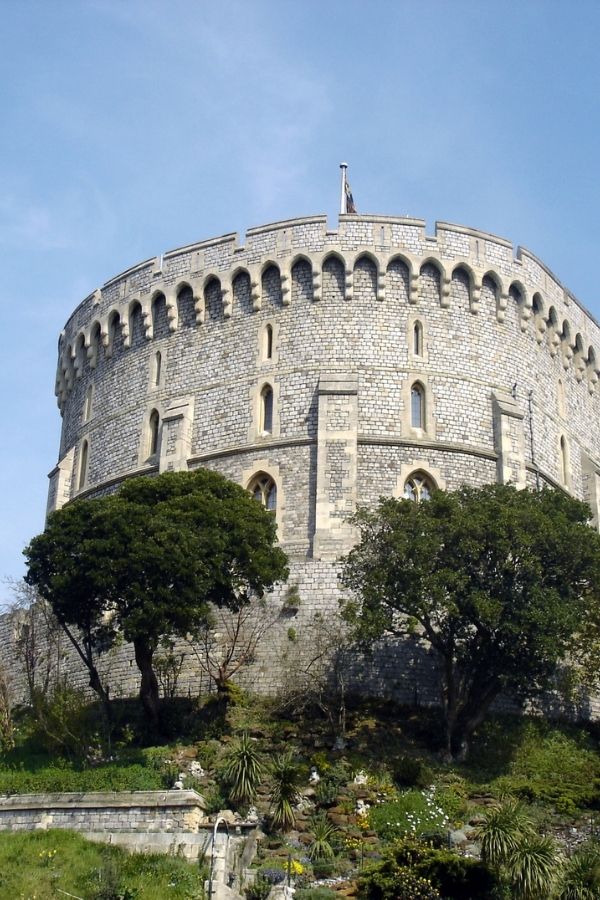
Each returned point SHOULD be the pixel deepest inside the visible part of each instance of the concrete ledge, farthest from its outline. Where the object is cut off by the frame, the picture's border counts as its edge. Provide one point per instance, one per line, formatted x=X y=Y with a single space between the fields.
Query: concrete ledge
x=102 y=800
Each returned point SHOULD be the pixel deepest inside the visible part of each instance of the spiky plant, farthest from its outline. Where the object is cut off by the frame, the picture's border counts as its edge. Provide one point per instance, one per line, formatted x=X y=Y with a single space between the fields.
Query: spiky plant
x=322 y=831
x=533 y=868
x=286 y=779
x=580 y=879
x=243 y=770
x=502 y=831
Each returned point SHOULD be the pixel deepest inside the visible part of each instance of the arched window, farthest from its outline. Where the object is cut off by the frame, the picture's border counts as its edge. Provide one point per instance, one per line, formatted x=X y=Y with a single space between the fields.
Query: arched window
x=268 y=342
x=564 y=460
x=417 y=406
x=157 y=368
x=418 y=339
x=418 y=486
x=153 y=433
x=266 y=409
x=83 y=466
x=263 y=488
x=87 y=405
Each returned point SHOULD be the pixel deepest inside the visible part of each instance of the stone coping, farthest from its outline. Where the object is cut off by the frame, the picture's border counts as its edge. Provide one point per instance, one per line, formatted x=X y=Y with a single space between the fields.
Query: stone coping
x=102 y=799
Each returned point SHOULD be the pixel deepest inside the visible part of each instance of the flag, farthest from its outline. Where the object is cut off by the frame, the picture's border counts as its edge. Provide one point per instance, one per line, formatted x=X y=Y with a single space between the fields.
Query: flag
x=350 y=207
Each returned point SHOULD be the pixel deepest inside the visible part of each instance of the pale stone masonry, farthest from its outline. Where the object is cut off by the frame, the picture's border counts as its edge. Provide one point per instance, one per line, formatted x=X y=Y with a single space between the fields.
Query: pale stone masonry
x=341 y=329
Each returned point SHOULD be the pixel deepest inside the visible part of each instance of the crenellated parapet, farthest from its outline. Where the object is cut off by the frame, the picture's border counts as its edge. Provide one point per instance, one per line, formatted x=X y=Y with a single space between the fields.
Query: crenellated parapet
x=210 y=270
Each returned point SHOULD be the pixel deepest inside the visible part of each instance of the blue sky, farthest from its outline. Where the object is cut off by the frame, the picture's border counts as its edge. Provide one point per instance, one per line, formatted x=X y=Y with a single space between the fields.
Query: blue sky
x=130 y=127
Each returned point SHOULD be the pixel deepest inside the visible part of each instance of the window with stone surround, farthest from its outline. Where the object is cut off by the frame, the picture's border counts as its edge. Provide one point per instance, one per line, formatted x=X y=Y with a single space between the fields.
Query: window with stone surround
x=266 y=409
x=564 y=461
x=417 y=405
x=157 y=368
x=418 y=339
x=87 y=404
x=418 y=486
x=153 y=433
x=263 y=488
x=267 y=342
x=83 y=466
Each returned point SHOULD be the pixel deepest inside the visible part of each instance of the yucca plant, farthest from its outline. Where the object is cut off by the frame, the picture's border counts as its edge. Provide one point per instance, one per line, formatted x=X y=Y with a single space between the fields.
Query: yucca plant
x=533 y=868
x=322 y=831
x=243 y=770
x=505 y=826
x=580 y=879
x=286 y=778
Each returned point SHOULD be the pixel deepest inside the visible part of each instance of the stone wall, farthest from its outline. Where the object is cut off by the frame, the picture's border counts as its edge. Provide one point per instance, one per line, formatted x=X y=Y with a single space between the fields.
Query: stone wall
x=507 y=363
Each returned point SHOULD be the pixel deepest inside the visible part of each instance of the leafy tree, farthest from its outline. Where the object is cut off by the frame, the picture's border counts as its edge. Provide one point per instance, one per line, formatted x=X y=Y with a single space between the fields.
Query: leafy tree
x=147 y=561
x=498 y=582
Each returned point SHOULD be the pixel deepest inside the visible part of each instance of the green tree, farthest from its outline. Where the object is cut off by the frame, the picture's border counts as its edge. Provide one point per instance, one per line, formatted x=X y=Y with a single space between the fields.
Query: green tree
x=147 y=561
x=498 y=582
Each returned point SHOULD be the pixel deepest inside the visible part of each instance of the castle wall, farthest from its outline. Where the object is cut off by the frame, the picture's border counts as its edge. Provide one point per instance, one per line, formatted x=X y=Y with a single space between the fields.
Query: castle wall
x=506 y=363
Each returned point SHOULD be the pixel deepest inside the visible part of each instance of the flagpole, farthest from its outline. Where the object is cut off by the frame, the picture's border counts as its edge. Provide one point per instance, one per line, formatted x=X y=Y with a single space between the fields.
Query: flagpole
x=343 y=199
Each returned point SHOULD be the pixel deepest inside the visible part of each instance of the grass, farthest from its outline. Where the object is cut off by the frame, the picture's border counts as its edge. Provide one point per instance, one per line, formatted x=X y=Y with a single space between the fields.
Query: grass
x=41 y=864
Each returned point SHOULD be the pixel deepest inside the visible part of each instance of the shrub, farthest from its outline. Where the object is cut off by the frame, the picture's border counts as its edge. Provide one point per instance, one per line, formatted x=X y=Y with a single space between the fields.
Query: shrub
x=552 y=766
x=580 y=879
x=443 y=871
x=326 y=792
x=286 y=779
x=259 y=889
x=322 y=833
x=243 y=770
x=315 y=893
x=414 y=812
x=411 y=772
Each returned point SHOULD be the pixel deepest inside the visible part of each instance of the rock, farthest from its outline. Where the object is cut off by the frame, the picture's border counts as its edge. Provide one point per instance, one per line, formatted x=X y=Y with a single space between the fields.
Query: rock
x=457 y=838
x=338 y=818
x=227 y=814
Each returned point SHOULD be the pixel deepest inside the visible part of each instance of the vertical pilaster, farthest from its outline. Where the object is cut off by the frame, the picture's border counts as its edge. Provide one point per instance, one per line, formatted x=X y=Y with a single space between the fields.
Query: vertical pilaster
x=336 y=465
x=61 y=480
x=176 y=437
x=509 y=439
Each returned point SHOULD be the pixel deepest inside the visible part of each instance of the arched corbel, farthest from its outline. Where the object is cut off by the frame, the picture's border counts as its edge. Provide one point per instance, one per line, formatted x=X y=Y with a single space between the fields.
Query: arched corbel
x=227 y=298
x=348 y=283
x=256 y=290
x=476 y=294
x=501 y=304
x=172 y=313
x=380 y=282
x=286 y=284
x=317 y=282
x=413 y=285
x=445 y=283
x=526 y=310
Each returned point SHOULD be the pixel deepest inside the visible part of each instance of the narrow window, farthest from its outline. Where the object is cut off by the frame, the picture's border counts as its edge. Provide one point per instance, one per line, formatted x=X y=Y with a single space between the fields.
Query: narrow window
x=154 y=431
x=269 y=342
x=417 y=406
x=418 y=339
x=564 y=462
x=87 y=406
x=157 y=368
x=264 y=490
x=83 y=464
x=266 y=410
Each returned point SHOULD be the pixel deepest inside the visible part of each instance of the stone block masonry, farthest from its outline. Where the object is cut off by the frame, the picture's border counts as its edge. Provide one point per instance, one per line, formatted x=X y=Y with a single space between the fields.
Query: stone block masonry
x=388 y=355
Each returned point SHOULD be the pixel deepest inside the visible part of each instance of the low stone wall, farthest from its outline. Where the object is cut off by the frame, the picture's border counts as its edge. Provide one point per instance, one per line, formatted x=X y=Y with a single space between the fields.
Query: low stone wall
x=144 y=812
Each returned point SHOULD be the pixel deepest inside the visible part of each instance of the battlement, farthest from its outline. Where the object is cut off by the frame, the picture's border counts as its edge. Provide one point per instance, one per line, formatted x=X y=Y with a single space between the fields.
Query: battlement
x=214 y=265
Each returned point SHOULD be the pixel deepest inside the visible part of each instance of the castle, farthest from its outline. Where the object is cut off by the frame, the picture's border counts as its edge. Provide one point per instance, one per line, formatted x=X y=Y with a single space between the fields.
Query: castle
x=324 y=368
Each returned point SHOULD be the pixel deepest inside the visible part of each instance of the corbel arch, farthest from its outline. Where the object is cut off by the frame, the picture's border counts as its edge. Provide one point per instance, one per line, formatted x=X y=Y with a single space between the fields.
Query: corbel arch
x=212 y=294
x=270 y=265
x=439 y=284
x=473 y=283
x=402 y=266
x=520 y=294
x=538 y=316
x=567 y=344
x=93 y=343
x=592 y=370
x=113 y=326
x=303 y=285
x=579 y=360
x=492 y=282
x=186 y=304
x=333 y=269
x=373 y=265
x=553 y=331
